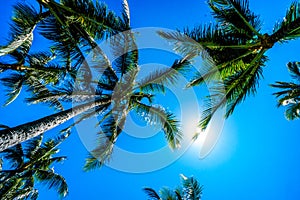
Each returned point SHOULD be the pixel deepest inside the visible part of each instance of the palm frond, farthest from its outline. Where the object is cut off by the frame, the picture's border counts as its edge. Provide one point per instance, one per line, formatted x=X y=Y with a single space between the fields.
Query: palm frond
x=292 y=111
x=108 y=80
x=93 y=17
x=186 y=46
x=48 y=161
x=26 y=193
x=111 y=127
x=294 y=69
x=105 y=142
x=234 y=89
x=124 y=49
x=38 y=89
x=14 y=85
x=288 y=28
x=2 y=126
x=49 y=147
x=151 y=193
x=14 y=156
x=235 y=16
x=92 y=163
x=223 y=69
x=178 y=194
x=167 y=193
x=65 y=43
x=24 y=22
x=213 y=36
x=191 y=188
x=24 y=40
x=165 y=119
x=30 y=147
x=53 y=180
x=156 y=80
x=289 y=94
x=101 y=154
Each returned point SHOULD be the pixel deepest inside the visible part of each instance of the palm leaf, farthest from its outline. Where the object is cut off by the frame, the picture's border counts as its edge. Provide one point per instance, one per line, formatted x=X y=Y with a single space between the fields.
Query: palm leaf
x=52 y=180
x=191 y=188
x=288 y=28
x=124 y=49
x=293 y=111
x=169 y=124
x=294 y=69
x=31 y=146
x=105 y=142
x=24 y=21
x=14 y=85
x=289 y=94
x=14 y=155
x=38 y=89
x=167 y=194
x=185 y=45
x=156 y=81
x=235 y=16
x=151 y=193
x=234 y=89
x=2 y=126
x=94 y=17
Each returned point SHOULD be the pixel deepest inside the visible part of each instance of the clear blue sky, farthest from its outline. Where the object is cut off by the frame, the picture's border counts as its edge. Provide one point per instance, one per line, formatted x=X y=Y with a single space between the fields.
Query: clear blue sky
x=257 y=155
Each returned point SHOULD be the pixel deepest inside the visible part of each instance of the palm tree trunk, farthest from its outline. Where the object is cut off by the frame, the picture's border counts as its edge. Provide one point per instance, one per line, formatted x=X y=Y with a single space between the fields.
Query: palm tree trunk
x=12 y=136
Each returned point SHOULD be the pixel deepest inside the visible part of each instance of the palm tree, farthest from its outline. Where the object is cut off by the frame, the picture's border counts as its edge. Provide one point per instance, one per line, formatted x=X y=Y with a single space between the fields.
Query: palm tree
x=112 y=97
x=237 y=48
x=190 y=190
x=38 y=71
x=118 y=92
x=30 y=163
x=290 y=92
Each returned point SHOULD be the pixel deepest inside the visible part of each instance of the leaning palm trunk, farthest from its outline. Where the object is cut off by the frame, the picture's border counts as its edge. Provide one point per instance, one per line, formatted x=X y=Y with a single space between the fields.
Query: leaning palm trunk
x=12 y=136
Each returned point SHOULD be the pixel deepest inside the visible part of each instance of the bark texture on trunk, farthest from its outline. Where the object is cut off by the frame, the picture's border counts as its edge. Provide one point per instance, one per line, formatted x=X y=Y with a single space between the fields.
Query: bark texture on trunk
x=12 y=136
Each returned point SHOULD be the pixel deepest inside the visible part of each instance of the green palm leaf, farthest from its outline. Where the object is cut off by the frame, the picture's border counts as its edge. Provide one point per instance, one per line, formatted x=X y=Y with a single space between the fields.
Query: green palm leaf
x=155 y=81
x=52 y=180
x=22 y=28
x=289 y=94
x=191 y=188
x=165 y=119
x=14 y=84
x=151 y=193
x=235 y=16
x=288 y=28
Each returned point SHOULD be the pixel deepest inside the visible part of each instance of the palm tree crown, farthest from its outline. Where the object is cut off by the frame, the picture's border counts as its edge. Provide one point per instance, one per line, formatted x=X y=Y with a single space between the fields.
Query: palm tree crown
x=190 y=190
x=31 y=162
x=112 y=96
x=237 y=47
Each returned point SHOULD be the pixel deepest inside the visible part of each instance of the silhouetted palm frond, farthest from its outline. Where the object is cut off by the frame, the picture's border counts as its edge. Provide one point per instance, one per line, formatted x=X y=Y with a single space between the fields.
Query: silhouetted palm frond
x=289 y=94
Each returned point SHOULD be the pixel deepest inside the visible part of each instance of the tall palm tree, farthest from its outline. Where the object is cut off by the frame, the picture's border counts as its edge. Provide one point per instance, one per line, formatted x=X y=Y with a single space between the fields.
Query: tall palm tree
x=238 y=49
x=290 y=92
x=113 y=97
x=31 y=162
x=190 y=190
x=40 y=72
